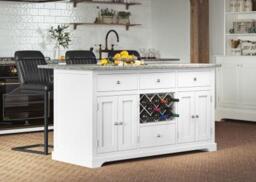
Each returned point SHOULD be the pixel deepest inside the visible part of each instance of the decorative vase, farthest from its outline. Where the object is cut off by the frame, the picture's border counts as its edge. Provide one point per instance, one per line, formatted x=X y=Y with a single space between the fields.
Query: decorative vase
x=56 y=52
x=107 y=19
x=232 y=5
x=248 y=5
x=123 y=20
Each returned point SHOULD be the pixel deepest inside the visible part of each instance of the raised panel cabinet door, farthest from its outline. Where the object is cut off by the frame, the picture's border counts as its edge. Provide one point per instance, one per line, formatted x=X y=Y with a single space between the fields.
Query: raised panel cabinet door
x=227 y=84
x=186 y=121
x=247 y=86
x=107 y=124
x=204 y=109
x=128 y=118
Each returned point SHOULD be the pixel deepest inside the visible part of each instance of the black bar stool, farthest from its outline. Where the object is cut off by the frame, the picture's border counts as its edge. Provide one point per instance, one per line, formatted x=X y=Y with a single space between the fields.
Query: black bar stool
x=37 y=81
x=80 y=57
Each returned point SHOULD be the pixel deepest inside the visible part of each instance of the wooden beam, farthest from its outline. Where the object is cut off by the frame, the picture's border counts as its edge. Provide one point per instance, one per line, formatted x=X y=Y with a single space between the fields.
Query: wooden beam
x=199 y=31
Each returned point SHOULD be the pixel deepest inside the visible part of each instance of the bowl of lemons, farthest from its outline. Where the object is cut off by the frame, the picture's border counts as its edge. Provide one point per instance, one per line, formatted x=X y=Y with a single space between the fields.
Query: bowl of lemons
x=122 y=59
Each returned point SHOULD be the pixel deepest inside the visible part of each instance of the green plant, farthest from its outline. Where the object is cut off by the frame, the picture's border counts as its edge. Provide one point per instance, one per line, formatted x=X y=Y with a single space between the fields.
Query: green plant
x=60 y=35
x=107 y=12
x=124 y=14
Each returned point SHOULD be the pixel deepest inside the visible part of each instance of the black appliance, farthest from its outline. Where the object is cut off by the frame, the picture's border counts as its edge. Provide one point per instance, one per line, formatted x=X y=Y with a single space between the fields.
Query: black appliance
x=17 y=109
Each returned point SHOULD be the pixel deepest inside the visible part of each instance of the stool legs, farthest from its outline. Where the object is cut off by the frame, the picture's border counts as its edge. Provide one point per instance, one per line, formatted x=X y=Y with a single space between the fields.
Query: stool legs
x=46 y=123
x=45 y=145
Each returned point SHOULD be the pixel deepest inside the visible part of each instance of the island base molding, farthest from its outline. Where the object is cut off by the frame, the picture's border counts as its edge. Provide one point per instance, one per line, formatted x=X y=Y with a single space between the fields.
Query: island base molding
x=236 y=114
x=143 y=152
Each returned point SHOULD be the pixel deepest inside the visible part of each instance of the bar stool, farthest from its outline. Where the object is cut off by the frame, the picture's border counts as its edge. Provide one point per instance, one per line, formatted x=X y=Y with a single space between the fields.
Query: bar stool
x=36 y=81
x=80 y=57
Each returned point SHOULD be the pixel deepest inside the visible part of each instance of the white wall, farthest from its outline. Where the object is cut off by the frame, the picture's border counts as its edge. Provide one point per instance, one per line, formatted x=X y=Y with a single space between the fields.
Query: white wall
x=216 y=28
x=165 y=26
x=25 y=26
x=171 y=28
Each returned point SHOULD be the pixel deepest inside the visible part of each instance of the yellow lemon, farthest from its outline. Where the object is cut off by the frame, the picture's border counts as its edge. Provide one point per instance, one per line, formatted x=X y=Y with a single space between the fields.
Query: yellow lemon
x=116 y=62
x=117 y=56
x=124 y=53
x=130 y=57
x=103 y=61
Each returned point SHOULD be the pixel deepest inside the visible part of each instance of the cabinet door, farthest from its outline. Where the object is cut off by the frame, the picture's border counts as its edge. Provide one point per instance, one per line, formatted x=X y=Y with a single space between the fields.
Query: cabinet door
x=128 y=111
x=106 y=124
x=227 y=84
x=186 y=122
x=247 y=86
x=204 y=109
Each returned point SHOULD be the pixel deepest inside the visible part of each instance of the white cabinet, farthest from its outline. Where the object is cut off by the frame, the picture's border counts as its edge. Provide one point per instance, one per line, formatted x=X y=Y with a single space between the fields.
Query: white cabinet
x=194 y=123
x=247 y=85
x=112 y=120
x=128 y=108
x=157 y=135
x=228 y=84
x=236 y=88
x=117 y=123
x=204 y=109
x=107 y=119
x=186 y=124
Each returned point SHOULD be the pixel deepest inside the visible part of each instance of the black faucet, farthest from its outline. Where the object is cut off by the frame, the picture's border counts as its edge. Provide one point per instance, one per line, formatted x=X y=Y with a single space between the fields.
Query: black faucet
x=106 y=41
x=106 y=50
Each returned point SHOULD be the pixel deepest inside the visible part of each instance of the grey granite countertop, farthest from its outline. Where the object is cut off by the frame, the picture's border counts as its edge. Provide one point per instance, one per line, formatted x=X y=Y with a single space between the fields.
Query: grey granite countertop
x=116 y=68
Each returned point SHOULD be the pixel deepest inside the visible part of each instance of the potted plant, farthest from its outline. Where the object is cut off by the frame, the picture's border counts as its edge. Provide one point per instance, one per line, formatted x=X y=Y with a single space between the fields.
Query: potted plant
x=107 y=15
x=61 y=37
x=123 y=17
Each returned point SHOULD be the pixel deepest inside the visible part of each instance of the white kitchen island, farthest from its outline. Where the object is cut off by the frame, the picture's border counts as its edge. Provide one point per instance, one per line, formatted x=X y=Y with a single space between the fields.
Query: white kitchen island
x=108 y=113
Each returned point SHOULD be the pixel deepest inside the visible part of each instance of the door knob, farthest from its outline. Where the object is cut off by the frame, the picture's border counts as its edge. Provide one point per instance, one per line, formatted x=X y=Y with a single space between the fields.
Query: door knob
x=193 y=117
x=195 y=79
x=158 y=80
x=118 y=82
x=197 y=116
x=116 y=123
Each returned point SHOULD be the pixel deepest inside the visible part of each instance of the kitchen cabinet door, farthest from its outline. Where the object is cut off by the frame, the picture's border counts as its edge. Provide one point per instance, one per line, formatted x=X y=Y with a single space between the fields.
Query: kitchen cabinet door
x=227 y=84
x=128 y=118
x=247 y=86
x=203 y=115
x=186 y=121
x=107 y=124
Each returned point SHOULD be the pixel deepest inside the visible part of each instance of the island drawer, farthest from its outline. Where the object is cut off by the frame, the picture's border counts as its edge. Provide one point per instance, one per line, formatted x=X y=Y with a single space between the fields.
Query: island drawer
x=156 y=135
x=193 y=79
x=157 y=80
x=116 y=82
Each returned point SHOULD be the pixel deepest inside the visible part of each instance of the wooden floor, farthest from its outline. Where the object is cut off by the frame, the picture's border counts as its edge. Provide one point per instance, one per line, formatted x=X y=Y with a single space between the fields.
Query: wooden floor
x=235 y=161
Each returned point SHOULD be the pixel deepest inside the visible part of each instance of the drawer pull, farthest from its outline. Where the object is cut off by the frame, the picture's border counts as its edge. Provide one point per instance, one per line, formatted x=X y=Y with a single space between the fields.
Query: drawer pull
x=158 y=136
x=118 y=82
x=193 y=117
x=195 y=79
x=158 y=80
x=116 y=123
x=197 y=116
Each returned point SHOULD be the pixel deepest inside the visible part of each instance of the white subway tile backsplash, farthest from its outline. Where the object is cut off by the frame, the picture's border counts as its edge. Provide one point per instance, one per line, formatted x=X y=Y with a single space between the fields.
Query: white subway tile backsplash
x=25 y=26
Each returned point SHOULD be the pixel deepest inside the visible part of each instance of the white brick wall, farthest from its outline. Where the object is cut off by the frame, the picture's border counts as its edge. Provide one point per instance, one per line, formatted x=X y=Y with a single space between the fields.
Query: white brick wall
x=25 y=26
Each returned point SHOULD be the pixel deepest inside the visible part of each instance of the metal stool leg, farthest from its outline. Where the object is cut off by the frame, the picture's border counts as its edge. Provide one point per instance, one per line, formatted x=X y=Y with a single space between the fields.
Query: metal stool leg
x=46 y=145
x=46 y=123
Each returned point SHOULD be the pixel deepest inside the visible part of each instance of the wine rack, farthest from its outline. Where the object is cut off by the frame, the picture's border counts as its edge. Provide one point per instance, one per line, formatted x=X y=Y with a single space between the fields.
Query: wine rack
x=157 y=107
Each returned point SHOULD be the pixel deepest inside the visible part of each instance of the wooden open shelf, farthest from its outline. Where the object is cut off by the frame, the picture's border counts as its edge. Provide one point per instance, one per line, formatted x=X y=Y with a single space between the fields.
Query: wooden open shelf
x=33 y=1
x=127 y=5
x=127 y=26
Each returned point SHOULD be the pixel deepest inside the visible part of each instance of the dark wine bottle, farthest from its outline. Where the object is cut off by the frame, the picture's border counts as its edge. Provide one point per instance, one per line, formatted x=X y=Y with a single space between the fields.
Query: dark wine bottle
x=175 y=100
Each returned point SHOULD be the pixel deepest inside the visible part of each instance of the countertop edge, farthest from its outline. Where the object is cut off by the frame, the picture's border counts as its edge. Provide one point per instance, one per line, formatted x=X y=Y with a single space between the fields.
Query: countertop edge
x=117 y=68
